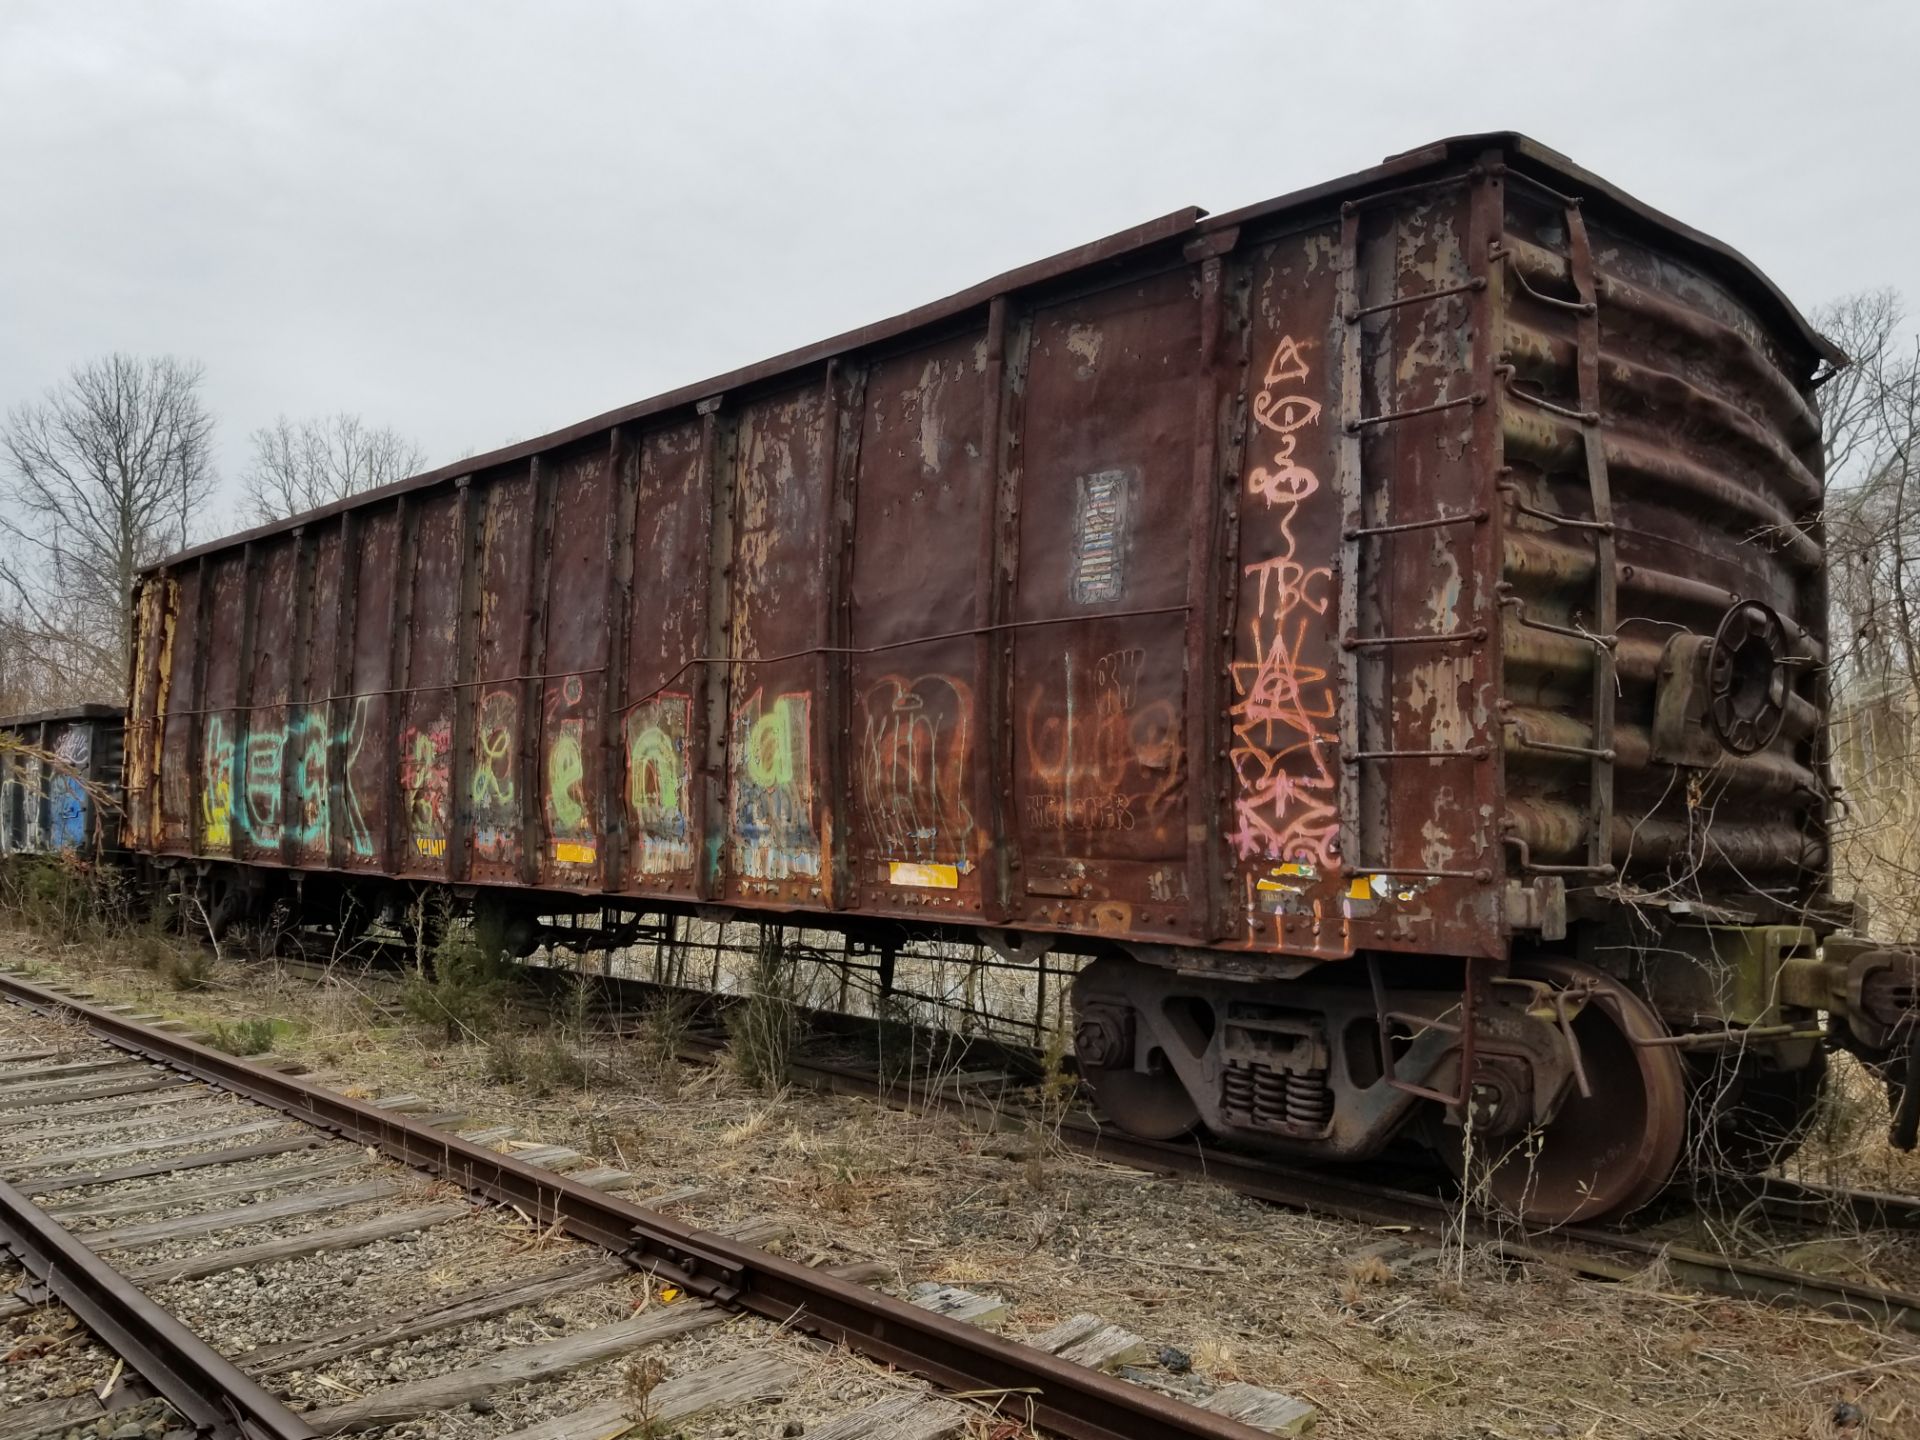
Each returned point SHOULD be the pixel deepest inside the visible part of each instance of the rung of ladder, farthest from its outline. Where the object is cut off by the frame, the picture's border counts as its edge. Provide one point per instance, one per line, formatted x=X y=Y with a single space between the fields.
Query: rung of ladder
x=1526 y=861
x=1471 y=752
x=1540 y=402
x=1554 y=747
x=1578 y=307
x=1514 y=603
x=1437 y=522
x=1572 y=522
x=1446 y=637
x=1479 y=282
x=1388 y=417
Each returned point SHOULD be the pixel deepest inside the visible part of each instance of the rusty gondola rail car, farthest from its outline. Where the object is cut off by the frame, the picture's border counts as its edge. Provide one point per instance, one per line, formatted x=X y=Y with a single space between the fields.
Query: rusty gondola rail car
x=1386 y=623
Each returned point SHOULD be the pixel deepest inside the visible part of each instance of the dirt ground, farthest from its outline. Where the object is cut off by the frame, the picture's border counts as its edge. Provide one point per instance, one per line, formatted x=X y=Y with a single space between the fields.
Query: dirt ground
x=1388 y=1337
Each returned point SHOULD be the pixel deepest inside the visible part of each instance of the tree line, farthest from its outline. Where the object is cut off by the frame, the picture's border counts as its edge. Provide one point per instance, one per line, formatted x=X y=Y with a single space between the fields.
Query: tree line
x=111 y=470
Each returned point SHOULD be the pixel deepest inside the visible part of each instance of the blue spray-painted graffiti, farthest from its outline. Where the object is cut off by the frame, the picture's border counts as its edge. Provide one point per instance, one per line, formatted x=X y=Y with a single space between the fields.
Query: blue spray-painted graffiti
x=68 y=810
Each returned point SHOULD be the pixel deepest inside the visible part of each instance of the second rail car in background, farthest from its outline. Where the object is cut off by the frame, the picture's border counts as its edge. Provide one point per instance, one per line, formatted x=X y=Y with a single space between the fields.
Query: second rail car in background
x=1386 y=624
x=54 y=775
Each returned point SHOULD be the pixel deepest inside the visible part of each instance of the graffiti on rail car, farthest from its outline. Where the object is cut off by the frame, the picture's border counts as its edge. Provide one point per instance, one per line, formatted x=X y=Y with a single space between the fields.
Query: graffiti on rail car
x=771 y=830
x=67 y=806
x=216 y=786
x=264 y=753
x=425 y=781
x=916 y=748
x=570 y=822
x=263 y=765
x=1100 y=531
x=659 y=782
x=491 y=792
x=349 y=740
x=1287 y=806
x=1100 y=759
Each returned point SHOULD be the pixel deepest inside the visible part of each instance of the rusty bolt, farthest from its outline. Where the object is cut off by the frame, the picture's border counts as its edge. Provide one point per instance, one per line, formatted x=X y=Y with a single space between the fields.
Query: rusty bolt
x=1104 y=1038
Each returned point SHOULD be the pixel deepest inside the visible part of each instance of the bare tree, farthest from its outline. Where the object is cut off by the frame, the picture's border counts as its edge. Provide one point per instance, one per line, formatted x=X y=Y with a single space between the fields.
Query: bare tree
x=300 y=467
x=1870 y=413
x=104 y=475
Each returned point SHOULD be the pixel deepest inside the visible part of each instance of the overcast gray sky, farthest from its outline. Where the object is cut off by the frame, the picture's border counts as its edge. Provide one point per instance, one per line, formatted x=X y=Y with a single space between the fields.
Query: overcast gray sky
x=480 y=221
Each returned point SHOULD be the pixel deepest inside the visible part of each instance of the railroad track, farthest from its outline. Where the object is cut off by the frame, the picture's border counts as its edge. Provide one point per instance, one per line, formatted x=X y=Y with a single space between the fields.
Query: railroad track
x=1596 y=1252
x=147 y=1180
x=991 y=1096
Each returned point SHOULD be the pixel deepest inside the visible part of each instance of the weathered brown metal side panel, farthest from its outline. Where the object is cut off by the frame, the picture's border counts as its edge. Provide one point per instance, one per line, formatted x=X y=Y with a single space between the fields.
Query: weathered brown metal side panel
x=1220 y=420
x=493 y=792
x=224 y=725
x=425 y=744
x=1282 y=818
x=201 y=713
x=843 y=396
x=572 y=792
x=925 y=488
x=1429 y=811
x=666 y=634
x=466 y=695
x=366 y=722
x=309 y=757
x=341 y=708
x=713 y=700
x=1098 y=687
x=533 y=664
x=1009 y=348
x=778 y=622
x=260 y=726
x=293 y=736
x=623 y=472
x=173 y=777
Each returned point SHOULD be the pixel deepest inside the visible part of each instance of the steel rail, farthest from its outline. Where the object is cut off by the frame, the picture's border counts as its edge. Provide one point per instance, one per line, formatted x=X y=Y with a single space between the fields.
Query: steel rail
x=1066 y=1398
x=1805 y=1202
x=206 y=1388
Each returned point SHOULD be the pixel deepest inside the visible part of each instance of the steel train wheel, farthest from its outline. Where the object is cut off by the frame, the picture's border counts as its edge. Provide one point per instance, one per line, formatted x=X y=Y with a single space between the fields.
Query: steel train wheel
x=1606 y=1154
x=1154 y=1106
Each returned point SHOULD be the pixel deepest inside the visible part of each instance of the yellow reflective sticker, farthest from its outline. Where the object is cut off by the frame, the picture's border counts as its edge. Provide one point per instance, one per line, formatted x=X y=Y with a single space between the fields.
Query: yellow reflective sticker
x=929 y=877
x=1359 y=888
x=569 y=852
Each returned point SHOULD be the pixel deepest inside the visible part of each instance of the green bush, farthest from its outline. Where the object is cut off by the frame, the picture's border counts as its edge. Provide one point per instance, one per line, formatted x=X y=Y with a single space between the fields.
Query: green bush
x=462 y=986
